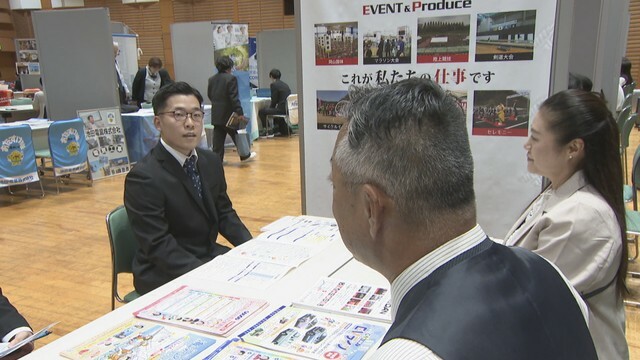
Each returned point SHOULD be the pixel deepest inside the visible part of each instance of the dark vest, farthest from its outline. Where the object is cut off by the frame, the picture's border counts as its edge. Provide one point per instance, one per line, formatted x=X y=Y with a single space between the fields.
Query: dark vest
x=494 y=302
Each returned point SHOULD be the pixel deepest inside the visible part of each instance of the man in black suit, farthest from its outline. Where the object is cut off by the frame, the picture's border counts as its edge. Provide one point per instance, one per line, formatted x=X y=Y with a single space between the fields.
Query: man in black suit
x=279 y=93
x=13 y=328
x=149 y=80
x=222 y=90
x=176 y=197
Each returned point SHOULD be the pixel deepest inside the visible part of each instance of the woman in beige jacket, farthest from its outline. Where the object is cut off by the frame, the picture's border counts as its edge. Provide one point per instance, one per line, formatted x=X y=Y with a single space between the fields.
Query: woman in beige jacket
x=578 y=222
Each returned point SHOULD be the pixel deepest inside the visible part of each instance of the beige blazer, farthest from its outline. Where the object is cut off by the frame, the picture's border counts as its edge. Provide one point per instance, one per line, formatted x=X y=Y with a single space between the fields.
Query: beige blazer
x=578 y=232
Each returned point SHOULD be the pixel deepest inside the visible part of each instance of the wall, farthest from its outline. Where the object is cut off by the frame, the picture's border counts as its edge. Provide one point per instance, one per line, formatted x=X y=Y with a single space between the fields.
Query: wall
x=152 y=21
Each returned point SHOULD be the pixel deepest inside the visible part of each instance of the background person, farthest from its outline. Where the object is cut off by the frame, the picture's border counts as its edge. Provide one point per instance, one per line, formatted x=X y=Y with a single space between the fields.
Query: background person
x=279 y=93
x=40 y=102
x=149 y=80
x=580 y=82
x=578 y=223
x=624 y=80
x=222 y=90
x=123 y=89
x=404 y=202
x=176 y=197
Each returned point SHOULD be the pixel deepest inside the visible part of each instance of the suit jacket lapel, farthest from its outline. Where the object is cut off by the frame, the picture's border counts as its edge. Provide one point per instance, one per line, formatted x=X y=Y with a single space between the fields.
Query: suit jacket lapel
x=170 y=164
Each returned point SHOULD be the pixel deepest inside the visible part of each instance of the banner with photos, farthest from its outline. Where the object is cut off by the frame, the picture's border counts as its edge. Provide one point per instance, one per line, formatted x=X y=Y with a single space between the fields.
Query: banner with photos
x=107 y=148
x=494 y=55
x=232 y=40
x=28 y=61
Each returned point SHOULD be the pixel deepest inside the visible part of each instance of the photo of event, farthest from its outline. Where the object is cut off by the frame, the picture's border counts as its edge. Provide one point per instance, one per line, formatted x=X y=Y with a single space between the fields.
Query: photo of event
x=329 y=104
x=336 y=44
x=390 y=45
x=443 y=39
x=501 y=113
x=506 y=36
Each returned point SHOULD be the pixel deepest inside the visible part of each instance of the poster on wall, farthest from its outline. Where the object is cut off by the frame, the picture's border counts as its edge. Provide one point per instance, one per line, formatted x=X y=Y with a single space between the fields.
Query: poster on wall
x=232 y=40
x=253 y=63
x=28 y=60
x=107 y=148
x=494 y=55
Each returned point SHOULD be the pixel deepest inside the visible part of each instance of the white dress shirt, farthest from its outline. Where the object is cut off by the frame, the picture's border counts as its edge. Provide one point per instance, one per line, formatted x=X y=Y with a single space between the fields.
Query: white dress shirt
x=177 y=154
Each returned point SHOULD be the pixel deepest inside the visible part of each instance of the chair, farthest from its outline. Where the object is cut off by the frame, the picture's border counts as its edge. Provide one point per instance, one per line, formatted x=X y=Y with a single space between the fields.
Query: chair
x=67 y=150
x=123 y=248
x=624 y=140
x=292 y=109
x=628 y=89
x=17 y=157
x=623 y=115
x=627 y=100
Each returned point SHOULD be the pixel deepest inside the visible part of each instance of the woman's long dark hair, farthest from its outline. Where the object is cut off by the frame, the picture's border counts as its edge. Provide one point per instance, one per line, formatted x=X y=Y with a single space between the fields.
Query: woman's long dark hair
x=577 y=114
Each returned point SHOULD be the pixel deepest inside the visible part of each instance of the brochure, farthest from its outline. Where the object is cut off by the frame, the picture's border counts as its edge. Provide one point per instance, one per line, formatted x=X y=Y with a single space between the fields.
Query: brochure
x=314 y=334
x=138 y=339
x=274 y=252
x=6 y=350
x=235 y=349
x=305 y=230
x=242 y=271
x=201 y=310
x=348 y=298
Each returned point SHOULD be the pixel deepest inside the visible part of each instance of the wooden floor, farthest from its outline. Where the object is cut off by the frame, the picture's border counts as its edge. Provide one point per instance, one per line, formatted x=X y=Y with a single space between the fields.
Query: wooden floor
x=56 y=262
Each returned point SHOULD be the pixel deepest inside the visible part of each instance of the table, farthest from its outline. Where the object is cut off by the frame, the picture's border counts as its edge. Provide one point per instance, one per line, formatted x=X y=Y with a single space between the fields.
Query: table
x=333 y=260
x=39 y=132
x=257 y=103
x=17 y=112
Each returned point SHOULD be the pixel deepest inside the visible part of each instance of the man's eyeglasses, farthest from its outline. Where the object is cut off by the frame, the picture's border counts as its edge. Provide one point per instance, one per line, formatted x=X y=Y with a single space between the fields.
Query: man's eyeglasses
x=181 y=115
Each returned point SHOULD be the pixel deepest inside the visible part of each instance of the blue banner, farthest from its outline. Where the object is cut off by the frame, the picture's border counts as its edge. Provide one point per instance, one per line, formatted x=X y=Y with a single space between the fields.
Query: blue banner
x=68 y=146
x=17 y=157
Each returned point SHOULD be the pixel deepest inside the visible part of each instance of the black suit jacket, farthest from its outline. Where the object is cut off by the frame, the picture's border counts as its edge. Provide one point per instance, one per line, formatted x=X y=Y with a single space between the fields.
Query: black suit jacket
x=10 y=318
x=223 y=93
x=137 y=93
x=279 y=92
x=176 y=229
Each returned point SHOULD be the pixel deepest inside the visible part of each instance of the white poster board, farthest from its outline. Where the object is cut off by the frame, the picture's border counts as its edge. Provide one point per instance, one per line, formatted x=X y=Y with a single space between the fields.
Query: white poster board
x=495 y=55
x=107 y=148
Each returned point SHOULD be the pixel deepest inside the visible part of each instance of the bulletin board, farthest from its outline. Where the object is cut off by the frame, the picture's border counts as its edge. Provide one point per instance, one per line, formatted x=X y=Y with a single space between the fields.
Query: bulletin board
x=495 y=55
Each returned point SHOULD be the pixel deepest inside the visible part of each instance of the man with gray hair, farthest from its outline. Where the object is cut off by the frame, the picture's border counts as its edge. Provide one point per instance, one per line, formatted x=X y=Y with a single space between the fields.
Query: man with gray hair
x=403 y=197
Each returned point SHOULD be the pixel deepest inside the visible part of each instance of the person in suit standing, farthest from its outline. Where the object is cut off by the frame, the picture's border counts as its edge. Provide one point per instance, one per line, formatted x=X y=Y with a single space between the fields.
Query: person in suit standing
x=578 y=223
x=123 y=89
x=149 y=80
x=279 y=93
x=13 y=328
x=176 y=196
x=222 y=90
x=403 y=198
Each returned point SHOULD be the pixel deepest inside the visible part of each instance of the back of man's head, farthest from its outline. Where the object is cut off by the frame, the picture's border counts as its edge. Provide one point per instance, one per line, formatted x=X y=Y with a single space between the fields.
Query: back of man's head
x=410 y=139
x=159 y=100
x=224 y=63
x=275 y=74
